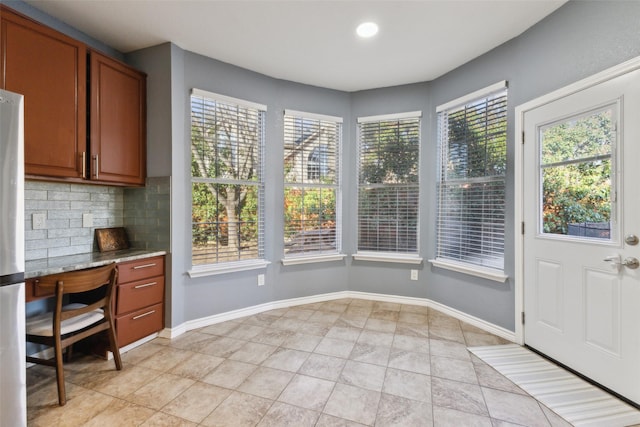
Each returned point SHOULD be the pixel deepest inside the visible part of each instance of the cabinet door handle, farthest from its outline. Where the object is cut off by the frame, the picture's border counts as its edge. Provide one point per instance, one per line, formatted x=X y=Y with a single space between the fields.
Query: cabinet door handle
x=137 y=267
x=145 y=285
x=84 y=165
x=143 y=314
x=96 y=171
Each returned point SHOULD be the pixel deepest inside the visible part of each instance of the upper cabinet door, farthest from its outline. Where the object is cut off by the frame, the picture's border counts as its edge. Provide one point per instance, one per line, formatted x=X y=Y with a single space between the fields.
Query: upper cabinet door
x=49 y=69
x=118 y=122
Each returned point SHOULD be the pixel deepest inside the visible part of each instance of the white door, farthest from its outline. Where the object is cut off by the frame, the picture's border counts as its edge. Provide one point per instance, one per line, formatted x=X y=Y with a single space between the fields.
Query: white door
x=581 y=209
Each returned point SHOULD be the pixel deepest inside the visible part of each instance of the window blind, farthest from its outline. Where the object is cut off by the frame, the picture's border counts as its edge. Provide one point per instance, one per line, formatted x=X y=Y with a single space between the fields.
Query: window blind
x=388 y=184
x=471 y=185
x=311 y=184
x=227 y=143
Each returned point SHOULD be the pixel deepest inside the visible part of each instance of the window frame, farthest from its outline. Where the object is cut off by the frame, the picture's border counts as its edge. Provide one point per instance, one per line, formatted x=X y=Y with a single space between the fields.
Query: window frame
x=399 y=256
x=259 y=262
x=466 y=267
x=319 y=255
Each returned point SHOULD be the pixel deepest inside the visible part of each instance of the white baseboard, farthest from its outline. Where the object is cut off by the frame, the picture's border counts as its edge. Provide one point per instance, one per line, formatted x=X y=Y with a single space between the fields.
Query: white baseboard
x=256 y=309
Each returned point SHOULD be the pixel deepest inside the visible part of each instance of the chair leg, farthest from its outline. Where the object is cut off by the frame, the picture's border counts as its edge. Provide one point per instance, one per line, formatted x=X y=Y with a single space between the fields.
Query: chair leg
x=113 y=343
x=62 y=397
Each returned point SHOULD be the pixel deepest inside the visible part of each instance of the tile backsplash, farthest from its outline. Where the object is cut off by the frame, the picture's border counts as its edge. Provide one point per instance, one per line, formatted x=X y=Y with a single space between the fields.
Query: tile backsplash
x=63 y=206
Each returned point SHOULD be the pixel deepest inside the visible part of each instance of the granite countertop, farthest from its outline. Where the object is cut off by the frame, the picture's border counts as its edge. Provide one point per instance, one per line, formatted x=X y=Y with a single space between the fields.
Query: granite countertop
x=43 y=267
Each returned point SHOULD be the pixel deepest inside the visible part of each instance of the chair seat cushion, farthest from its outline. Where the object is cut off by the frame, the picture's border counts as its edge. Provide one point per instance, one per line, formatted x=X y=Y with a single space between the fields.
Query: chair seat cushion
x=42 y=324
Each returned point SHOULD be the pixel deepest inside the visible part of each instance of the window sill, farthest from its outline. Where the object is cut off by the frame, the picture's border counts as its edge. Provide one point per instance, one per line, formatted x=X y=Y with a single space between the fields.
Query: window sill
x=387 y=257
x=312 y=259
x=473 y=270
x=228 y=267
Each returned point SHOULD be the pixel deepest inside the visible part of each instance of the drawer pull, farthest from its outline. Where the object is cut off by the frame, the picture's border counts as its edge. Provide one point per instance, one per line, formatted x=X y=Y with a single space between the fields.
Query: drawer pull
x=145 y=285
x=137 y=267
x=143 y=314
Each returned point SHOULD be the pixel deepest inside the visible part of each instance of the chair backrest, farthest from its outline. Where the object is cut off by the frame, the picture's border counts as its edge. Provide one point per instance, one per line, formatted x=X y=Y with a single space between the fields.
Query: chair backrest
x=81 y=281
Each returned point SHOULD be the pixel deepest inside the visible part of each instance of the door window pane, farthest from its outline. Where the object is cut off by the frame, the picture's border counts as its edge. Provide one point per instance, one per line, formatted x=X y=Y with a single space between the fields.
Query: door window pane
x=576 y=164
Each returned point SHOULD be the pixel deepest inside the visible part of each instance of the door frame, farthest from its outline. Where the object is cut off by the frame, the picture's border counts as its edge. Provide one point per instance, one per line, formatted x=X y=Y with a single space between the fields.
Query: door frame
x=520 y=110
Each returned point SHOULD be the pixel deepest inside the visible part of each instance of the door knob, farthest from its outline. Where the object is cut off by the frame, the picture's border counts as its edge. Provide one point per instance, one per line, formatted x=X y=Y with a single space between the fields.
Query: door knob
x=617 y=262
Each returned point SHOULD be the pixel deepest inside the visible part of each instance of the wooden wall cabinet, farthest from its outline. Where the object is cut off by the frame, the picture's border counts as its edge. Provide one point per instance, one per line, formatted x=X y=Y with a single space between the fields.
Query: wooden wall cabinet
x=117 y=121
x=85 y=118
x=50 y=70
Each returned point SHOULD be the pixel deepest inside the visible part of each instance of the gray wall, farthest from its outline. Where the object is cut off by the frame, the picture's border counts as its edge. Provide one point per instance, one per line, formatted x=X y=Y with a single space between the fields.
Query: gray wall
x=579 y=39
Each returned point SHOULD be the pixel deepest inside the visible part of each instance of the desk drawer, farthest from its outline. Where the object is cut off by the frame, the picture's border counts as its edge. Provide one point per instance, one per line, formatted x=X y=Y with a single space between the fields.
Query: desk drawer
x=135 y=295
x=139 y=324
x=140 y=269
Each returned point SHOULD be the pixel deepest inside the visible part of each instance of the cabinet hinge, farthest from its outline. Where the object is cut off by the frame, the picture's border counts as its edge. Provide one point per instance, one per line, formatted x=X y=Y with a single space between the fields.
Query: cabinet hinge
x=522 y=315
x=523 y=137
x=522 y=227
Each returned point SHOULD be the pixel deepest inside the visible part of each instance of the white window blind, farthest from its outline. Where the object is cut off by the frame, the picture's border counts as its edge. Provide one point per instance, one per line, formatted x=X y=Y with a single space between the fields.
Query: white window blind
x=472 y=144
x=227 y=143
x=311 y=184
x=388 y=185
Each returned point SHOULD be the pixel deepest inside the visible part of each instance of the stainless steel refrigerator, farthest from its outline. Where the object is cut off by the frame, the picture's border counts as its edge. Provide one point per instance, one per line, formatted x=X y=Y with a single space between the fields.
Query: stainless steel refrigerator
x=13 y=389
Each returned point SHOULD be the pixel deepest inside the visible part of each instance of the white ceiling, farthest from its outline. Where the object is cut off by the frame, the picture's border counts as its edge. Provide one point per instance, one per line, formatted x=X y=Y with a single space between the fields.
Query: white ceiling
x=312 y=41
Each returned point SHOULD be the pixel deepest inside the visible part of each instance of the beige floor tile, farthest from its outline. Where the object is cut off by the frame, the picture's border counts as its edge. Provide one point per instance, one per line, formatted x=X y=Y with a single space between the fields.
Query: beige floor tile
x=122 y=414
x=335 y=306
x=281 y=414
x=160 y=391
x=331 y=421
x=327 y=317
x=253 y=352
x=446 y=417
x=478 y=339
x=82 y=405
x=514 y=408
x=401 y=412
x=286 y=359
x=356 y=318
x=414 y=309
x=453 y=369
x=302 y=342
x=193 y=341
x=221 y=329
x=446 y=333
x=299 y=313
x=129 y=379
x=380 y=325
x=489 y=377
x=457 y=395
x=451 y=349
x=333 y=347
x=165 y=359
x=238 y=410
x=413 y=318
x=223 y=346
x=314 y=328
x=197 y=366
x=376 y=338
x=408 y=385
x=363 y=375
x=229 y=374
x=409 y=343
x=160 y=419
x=410 y=361
x=382 y=314
x=345 y=333
x=412 y=330
x=261 y=319
x=272 y=336
x=321 y=366
x=197 y=402
x=353 y=403
x=141 y=353
x=245 y=332
x=383 y=305
x=367 y=353
x=266 y=382
x=307 y=392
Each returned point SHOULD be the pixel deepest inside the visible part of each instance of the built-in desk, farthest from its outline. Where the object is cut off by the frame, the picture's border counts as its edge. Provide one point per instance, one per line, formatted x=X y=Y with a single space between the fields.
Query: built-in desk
x=139 y=297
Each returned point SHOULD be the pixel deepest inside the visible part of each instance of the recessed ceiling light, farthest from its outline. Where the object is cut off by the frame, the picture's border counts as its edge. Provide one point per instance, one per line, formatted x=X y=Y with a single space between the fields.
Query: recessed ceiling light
x=367 y=29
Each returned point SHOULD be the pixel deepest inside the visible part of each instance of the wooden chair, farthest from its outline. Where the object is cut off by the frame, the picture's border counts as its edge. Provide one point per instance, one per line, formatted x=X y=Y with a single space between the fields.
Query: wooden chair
x=71 y=323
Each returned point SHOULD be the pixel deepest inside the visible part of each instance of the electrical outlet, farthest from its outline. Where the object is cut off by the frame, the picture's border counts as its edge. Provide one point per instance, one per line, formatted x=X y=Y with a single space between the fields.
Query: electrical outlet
x=38 y=221
x=87 y=220
x=414 y=274
x=260 y=279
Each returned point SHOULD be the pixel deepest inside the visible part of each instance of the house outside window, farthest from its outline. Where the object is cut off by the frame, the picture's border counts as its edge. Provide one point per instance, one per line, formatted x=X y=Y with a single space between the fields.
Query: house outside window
x=227 y=143
x=472 y=133
x=388 y=183
x=311 y=184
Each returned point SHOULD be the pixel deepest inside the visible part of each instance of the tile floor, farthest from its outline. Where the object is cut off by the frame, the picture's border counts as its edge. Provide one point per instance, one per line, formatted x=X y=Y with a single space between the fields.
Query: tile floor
x=347 y=362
